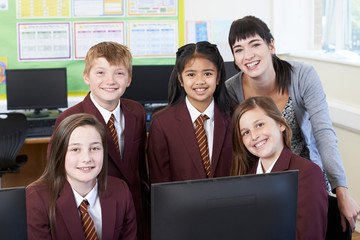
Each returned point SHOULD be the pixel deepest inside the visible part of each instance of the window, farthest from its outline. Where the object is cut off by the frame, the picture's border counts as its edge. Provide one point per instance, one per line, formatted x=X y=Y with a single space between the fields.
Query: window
x=341 y=27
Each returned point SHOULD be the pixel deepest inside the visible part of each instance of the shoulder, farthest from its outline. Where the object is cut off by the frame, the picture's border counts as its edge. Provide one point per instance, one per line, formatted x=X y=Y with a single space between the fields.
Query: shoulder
x=166 y=113
x=78 y=108
x=300 y=66
x=219 y=113
x=132 y=106
x=36 y=187
x=301 y=69
x=164 y=120
x=37 y=194
x=234 y=80
x=117 y=184
x=117 y=188
x=305 y=165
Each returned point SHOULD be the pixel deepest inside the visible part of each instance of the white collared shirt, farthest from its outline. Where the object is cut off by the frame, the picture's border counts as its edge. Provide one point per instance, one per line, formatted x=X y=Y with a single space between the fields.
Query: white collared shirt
x=94 y=207
x=119 y=121
x=259 y=168
x=208 y=125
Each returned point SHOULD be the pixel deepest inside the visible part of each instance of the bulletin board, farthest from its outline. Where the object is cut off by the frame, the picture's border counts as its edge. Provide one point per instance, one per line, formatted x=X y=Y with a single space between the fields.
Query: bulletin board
x=55 y=34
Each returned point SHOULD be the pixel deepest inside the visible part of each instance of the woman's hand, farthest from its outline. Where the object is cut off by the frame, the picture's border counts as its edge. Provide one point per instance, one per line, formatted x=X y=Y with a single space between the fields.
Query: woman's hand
x=348 y=208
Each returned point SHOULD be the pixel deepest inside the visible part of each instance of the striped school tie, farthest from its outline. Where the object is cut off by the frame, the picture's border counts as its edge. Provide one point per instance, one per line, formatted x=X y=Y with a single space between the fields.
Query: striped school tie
x=87 y=222
x=202 y=142
x=113 y=132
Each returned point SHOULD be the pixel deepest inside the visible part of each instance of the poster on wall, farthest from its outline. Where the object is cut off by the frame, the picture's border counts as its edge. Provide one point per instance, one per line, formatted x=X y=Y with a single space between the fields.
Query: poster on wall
x=44 y=41
x=197 y=31
x=4 y=5
x=212 y=31
x=42 y=8
x=98 y=8
x=3 y=67
x=152 y=8
x=153 y=38
x=87 y=34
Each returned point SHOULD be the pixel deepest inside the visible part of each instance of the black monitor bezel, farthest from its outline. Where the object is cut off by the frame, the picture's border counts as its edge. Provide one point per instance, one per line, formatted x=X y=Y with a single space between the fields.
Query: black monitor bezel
x=236 y=198
x=11 y=87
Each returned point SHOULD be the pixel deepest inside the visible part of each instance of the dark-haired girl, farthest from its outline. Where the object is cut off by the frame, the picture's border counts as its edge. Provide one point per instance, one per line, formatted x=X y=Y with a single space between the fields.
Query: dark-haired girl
x=191 y=138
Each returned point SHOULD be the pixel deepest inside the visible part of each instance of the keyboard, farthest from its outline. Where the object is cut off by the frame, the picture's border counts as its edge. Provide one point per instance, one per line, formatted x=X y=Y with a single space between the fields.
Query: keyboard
x=41 y=127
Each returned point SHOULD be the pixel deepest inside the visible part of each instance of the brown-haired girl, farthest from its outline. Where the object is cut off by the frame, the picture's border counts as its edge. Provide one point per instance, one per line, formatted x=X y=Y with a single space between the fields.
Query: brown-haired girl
x=261 y=144
x=75 y=179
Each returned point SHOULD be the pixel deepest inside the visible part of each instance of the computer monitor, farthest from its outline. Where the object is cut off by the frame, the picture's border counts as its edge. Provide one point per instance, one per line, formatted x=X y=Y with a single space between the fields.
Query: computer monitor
x=262 y=206
x=13 y=224
x=230 y=69
x=36 y=89
x=149 y=83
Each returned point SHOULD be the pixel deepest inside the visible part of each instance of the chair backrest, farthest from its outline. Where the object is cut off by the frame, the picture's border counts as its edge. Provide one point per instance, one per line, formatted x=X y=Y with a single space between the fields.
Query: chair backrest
x=334 y=230
x=13 y=128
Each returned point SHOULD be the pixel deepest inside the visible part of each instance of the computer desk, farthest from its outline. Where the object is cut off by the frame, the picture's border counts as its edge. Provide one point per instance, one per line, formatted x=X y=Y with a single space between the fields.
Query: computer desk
x=35 y=149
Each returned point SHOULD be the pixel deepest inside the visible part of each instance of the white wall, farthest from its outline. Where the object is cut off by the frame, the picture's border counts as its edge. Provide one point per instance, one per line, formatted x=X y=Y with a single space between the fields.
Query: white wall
x=292 y=25
x=226 y=10
x=290 y=21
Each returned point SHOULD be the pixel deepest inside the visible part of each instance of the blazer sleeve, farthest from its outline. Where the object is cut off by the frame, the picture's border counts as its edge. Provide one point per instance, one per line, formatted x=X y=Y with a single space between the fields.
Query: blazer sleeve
x=312 y=204
x=129 y=229
x=38 y=225
x=158 y=153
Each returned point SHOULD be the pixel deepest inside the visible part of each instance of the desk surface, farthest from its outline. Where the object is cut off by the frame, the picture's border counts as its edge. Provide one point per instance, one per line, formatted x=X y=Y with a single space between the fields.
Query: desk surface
x=37 y=140
x=35 y=148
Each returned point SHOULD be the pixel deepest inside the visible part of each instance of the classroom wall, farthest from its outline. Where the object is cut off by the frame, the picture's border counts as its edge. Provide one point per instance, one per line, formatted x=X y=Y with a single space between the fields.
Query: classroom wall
x=281 y=16
x=9 y=43
x=227 y=10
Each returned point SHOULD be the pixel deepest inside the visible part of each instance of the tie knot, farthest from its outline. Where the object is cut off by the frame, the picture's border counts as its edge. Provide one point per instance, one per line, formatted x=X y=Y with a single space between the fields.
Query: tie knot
x=83 y=206
x=201 y=119
x=111 y=120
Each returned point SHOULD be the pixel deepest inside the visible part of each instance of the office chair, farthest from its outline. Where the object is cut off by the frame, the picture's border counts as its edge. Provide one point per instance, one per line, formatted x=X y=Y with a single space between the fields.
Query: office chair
x=334 y=230
x=13 y=128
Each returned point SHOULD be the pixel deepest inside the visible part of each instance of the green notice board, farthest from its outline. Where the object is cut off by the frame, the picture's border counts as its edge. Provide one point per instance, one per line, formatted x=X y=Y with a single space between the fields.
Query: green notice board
x=13 y=25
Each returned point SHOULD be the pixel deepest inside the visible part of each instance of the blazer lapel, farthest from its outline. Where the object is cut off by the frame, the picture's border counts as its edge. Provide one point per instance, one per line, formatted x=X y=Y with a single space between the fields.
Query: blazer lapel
x=68 y=210
x=130 y=125
x=283 y=162
x=187 y=136
x=108 y=211
x=220 y=127
x=115 y=157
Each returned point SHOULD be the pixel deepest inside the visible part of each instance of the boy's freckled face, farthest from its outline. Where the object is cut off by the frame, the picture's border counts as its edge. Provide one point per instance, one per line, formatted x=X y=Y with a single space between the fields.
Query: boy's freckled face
x=107 y=82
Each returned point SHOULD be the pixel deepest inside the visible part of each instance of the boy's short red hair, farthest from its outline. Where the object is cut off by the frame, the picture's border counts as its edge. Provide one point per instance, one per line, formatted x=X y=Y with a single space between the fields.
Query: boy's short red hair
x=113 y=52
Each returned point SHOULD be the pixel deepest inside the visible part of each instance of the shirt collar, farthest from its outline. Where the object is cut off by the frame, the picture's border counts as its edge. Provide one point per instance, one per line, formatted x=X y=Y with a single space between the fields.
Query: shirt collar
x=90 y=197
x=259 y=168
x=194 y=113
x=105 y=113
